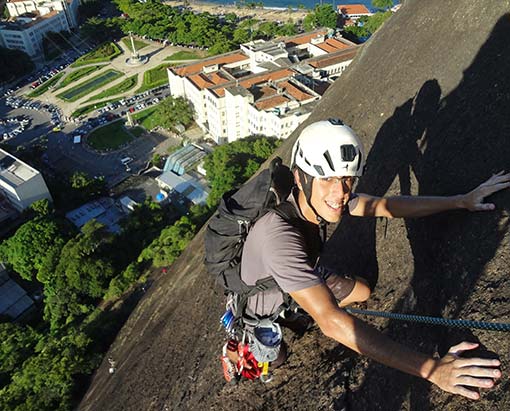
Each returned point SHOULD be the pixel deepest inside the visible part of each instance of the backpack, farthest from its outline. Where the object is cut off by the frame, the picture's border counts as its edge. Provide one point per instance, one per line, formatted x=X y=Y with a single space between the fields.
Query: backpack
x=228 y=228
x=224 y=240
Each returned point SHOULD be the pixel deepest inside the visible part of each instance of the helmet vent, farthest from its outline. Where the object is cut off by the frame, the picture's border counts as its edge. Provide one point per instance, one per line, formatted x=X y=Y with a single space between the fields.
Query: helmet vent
x=327 y=156
x=319 y=170
x=348 y=152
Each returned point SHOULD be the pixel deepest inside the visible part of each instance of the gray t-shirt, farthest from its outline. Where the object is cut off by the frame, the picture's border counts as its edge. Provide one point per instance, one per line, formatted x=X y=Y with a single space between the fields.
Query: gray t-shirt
x=275 y=248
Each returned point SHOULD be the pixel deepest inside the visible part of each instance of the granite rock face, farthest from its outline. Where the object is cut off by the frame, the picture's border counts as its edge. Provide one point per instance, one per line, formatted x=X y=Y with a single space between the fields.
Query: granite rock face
x=429 y=95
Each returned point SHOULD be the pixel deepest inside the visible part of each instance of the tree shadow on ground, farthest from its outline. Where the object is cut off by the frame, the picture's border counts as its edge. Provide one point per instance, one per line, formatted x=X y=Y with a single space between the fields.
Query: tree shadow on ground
x=436 y=146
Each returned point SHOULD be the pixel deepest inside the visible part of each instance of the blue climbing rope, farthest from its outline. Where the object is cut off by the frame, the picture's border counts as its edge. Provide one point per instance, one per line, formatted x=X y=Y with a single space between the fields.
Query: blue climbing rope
x=449 y=322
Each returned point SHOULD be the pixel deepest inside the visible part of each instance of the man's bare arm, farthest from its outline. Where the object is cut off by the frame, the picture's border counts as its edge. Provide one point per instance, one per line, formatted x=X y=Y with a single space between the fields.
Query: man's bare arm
x=450 y=373
x=421 y=206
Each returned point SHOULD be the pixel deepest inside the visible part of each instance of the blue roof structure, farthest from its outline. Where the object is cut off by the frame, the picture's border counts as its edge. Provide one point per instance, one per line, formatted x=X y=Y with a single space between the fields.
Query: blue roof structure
x=183 y=159
x=185 y=185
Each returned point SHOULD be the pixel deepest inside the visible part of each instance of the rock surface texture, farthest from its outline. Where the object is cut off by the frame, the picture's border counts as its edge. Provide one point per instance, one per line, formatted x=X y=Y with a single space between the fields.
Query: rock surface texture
x=429 y=95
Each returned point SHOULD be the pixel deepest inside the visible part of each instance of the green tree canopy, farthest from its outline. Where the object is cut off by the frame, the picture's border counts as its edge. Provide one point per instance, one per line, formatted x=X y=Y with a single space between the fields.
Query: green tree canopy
x=81 y=275
x=45 y=381
x=42 y=207
x=14 y=64
x=170 y=244
x=382 y=4
x=368 y=25
x=16 y=345
x=232 y=164
x=85 y=188
x=174 y=111
x=27 y=249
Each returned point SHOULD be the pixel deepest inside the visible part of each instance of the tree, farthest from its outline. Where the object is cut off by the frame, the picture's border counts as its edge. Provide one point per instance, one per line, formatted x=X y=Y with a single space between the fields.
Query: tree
x=174 y=111
x=382 y=4
x=26 y=250
x=80 y=276
x=326 y=15
x=169 y=245
x=45 y=381
x=42 y=207
x=368 y=25
x=16 y=345
x=85 y=188
x=14 y=64
x=232 y=164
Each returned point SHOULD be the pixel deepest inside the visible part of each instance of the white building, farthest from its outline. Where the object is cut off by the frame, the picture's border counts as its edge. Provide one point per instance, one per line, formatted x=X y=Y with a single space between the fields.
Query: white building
x=31 y=20
x=263 y=88
x=353 y=11
x=21 y=184
x=43 y=7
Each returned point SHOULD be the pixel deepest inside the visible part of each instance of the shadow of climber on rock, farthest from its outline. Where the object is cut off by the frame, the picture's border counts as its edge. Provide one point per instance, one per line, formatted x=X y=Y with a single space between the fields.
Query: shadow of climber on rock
x=433 y=146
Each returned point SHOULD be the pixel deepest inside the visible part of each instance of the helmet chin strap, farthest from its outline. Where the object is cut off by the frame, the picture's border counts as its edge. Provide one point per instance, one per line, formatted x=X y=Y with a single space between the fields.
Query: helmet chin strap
x=306 y=183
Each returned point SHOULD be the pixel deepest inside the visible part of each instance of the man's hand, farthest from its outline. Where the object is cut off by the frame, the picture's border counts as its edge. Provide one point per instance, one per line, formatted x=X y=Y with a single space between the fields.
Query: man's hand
x=473 y=200
x=454 y=374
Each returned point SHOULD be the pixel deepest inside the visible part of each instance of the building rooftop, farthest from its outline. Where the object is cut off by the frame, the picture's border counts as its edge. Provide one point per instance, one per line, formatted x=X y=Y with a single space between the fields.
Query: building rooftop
x=13 y=171
x=14 y=300
x=304 y=38
x=183 y=159
x=349 y=9
x=27 y=20
x=334 y=58
x=198 y=67
x=203 y=80
x=295 y=91
x=332 y=45
x=185 y=185
x=272 y=102
x=103 y=210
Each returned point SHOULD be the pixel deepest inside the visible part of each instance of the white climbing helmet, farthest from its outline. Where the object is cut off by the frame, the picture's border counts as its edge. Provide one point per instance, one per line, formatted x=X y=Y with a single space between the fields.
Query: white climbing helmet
x=328 y=149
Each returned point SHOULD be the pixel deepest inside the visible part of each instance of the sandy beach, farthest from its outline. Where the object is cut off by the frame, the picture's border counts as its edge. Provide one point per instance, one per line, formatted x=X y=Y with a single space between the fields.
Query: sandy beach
x=269 y=14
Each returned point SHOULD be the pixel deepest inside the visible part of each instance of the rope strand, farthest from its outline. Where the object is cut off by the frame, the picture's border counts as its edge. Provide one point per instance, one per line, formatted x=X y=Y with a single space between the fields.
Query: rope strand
x=449 y=322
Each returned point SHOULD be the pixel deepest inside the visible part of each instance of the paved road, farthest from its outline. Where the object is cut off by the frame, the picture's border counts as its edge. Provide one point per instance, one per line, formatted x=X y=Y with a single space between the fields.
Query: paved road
x=66 y=157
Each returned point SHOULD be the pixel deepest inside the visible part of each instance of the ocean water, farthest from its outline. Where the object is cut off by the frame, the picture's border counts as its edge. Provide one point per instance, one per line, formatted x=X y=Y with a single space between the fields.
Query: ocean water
x=309 y=4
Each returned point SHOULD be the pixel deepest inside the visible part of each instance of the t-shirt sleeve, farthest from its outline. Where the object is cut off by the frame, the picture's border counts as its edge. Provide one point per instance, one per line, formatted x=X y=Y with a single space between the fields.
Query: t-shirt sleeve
x=286 y=258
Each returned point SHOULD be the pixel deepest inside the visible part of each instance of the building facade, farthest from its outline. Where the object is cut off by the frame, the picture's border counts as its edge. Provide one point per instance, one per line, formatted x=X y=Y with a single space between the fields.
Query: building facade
x=21 y=184
x=30 y=21
x=265 y=88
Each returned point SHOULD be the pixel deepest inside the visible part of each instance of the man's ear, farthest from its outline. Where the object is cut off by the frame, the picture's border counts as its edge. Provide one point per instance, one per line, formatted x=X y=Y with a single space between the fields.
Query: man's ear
x=297 y=180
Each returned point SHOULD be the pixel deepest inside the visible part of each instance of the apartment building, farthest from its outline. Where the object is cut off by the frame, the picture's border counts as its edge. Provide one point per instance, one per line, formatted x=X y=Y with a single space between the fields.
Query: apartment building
x=19 y=183
x=266 y=88
x=30 y=21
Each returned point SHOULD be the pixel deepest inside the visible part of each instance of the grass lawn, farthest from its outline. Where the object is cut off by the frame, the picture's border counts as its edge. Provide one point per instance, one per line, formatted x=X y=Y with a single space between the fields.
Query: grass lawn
x=105 y=52
x=148 y=118
x=91 y=107
x=46 y=85
x=89 y=86
x=122 y=87
x=183 y=55
x=109 y=137
x=154 y=78
x=78 y=74
x=138 y=43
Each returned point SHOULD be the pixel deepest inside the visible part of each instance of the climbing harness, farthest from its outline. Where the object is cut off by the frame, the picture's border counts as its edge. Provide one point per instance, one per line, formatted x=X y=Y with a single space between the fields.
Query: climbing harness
x=449 y=322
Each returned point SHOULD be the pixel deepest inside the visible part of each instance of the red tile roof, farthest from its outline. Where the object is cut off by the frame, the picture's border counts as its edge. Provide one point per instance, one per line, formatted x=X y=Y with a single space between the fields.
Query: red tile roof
x=202 y=80
x=328 y=60
x=260 y=78
x=295 y=91
x=307 y=38
x=348 y=9
x=332 y=45
x=195 y=68
x=271 y=102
